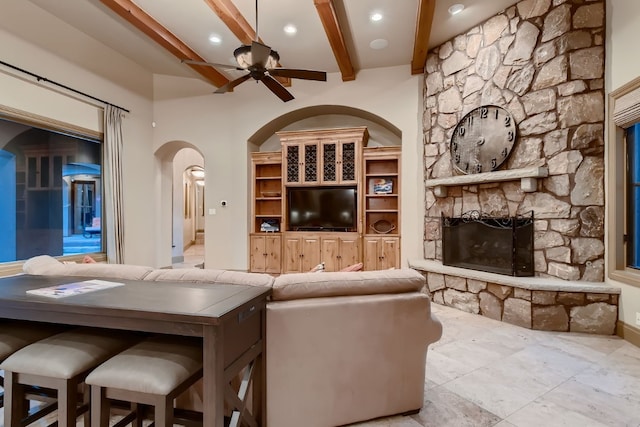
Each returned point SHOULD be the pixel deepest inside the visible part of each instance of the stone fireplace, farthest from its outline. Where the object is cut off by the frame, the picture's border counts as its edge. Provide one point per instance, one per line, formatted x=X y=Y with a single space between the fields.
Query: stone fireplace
x=543 y=61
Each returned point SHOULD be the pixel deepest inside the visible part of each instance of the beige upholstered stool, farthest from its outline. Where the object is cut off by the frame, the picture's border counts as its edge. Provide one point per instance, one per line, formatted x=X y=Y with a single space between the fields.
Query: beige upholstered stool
x=153 y=372
x=15 y=334
x=59 y=362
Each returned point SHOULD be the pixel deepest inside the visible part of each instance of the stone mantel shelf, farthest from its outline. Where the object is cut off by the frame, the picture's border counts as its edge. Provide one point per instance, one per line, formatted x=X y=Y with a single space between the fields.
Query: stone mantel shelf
x=528 y=179
x=529 y=283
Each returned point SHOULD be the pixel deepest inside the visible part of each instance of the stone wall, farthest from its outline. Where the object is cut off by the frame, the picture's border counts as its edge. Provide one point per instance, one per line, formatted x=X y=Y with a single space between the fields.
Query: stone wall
x=543 y=60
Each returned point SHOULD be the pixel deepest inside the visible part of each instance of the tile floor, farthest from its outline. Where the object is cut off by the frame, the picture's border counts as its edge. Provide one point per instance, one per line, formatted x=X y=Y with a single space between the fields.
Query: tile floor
x=487 y=373
x=193 y=257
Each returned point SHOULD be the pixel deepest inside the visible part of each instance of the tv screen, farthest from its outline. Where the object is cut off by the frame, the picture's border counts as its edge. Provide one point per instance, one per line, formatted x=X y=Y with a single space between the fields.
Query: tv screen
x=327 y=208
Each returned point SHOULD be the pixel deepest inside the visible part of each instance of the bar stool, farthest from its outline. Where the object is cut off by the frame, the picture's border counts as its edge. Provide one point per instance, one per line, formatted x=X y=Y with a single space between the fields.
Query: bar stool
x=153 y=372
x=15 y=335
x=59 y=362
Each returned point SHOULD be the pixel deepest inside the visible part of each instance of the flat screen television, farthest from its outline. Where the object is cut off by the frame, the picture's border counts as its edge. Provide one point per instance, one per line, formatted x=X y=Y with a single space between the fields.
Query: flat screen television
x=323 y=209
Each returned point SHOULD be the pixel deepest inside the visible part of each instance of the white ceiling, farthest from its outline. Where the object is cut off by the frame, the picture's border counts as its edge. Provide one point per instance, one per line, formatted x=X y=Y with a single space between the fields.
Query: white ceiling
x=192 y=21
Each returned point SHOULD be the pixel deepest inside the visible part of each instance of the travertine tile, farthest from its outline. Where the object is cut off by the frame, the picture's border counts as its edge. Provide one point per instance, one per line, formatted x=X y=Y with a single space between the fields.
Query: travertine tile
x=443 y=408
x=538 y=414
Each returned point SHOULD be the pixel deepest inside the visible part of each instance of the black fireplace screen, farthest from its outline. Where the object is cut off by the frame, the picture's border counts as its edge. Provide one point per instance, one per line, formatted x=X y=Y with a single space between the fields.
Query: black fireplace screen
x=496 y=245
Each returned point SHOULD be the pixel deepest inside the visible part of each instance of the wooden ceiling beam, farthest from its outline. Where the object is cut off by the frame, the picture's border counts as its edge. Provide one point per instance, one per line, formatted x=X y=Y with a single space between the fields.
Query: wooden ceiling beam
x=233 y=19
x=329 y=18
x=165 y=38
x=426 y=10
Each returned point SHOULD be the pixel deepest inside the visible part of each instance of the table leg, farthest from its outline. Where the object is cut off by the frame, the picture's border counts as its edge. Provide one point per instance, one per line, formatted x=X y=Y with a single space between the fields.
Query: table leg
x=213 y=377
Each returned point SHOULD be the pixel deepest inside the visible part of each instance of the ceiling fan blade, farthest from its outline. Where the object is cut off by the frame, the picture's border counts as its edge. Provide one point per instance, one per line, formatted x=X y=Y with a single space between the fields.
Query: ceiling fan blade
x=277 y=88
x=211 y=64
x=259 y=53
x=232 y=84
x=298 y=74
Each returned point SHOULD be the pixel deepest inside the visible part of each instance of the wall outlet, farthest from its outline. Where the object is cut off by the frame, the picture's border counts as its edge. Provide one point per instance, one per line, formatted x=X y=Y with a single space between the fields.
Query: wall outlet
x=637 y=318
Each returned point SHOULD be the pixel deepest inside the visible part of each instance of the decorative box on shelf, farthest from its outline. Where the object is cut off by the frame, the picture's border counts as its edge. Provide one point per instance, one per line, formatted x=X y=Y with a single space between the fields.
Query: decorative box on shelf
x=270 y=226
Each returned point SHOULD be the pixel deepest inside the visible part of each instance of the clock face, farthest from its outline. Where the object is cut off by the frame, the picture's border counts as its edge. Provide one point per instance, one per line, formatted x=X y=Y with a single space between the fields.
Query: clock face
x=483 y=139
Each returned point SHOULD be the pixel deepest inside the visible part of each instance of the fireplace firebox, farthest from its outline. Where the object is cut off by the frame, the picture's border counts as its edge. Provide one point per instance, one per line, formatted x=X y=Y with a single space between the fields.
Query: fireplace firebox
x=502 y=245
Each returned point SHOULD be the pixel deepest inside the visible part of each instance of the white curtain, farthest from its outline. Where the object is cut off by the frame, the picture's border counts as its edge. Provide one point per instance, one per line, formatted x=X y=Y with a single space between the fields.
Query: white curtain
x=112 y=163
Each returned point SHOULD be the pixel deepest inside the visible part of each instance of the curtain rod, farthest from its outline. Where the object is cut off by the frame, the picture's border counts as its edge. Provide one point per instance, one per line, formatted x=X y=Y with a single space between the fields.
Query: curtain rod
x=44 y=79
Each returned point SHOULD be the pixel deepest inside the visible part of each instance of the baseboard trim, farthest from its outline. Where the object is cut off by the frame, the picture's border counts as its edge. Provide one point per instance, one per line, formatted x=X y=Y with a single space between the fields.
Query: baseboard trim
x=629 y=333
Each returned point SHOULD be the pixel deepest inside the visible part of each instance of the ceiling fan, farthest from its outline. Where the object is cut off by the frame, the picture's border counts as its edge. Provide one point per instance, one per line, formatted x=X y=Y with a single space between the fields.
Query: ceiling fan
x=261 y=62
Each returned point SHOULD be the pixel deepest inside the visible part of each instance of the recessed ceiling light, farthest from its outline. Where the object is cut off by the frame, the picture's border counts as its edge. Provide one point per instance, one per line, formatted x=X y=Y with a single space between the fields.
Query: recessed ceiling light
x=378 y=44
x=215 y=39
x=456 y=8
x=290 y=29
x=376 y=16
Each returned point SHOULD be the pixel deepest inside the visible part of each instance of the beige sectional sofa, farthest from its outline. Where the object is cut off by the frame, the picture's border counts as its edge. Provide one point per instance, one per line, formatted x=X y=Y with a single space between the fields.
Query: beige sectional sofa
x=341 y=347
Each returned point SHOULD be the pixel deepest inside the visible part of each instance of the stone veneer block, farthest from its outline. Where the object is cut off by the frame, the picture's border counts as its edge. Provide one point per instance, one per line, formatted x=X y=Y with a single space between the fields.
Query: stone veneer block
x=596 y=318
x=490 y=306
x=543 y=297
x=500 y=291
x=598 y=297
x=517 y=312
x=550 y=318
x=571 y=298
x=455 y=282
x=522 y=294
x=464 y=301
x=435 y=281
x=476 y=286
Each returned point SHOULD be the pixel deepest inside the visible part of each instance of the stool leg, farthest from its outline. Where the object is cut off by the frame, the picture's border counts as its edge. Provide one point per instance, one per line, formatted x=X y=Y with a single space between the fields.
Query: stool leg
x=139 y=412
x=67 y=403
x=99 y=407
x=163 y=412
x=14 y=400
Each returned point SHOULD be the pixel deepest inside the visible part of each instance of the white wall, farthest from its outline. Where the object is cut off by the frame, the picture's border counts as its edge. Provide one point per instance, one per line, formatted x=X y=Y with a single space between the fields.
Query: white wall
x=622 y=66
x=220 y=126
x=24 y=93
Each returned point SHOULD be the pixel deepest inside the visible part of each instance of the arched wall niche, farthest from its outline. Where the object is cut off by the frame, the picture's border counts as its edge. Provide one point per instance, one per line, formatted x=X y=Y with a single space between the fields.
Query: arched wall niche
x=381 y=131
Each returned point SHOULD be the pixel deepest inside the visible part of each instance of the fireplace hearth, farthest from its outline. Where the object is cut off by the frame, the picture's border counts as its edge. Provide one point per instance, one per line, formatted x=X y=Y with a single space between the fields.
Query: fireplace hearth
x=476 y=241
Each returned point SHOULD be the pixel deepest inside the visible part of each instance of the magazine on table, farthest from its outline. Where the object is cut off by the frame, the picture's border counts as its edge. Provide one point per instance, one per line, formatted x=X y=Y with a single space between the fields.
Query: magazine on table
x=74 y=288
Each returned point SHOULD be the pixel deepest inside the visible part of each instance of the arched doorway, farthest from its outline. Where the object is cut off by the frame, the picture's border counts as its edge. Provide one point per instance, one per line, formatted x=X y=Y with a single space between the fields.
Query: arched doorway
x=182 y=205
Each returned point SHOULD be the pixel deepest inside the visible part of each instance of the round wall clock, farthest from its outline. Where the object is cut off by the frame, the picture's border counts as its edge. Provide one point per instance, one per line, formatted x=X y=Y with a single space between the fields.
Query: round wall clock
x=483 y=139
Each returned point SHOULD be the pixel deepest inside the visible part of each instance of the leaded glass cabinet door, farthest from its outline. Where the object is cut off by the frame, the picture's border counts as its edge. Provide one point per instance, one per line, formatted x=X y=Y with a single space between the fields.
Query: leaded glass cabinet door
x=348 y=164
x=301 y=163
x=339 y=164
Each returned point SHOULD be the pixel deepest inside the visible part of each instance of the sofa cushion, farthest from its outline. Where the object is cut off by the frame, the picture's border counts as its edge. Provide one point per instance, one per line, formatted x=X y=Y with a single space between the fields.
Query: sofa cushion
x=198 y=275
x=310 y=285
x=45 y=265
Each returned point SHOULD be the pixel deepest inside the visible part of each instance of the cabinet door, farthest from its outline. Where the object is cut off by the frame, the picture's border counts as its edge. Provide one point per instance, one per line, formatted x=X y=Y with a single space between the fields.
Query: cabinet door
x=310 y=253
x=381 y=253
x=257 y=258
x=349 y=251
x=272 y=254
x=371 y=253
x=331 y=253
x=348 y=163
x=301 y=163
x=292 y=255
x=338 y=162
x=389 y=253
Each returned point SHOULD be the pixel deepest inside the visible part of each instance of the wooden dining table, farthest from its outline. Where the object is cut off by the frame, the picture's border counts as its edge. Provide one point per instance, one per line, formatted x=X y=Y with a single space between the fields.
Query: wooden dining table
x=230 y=319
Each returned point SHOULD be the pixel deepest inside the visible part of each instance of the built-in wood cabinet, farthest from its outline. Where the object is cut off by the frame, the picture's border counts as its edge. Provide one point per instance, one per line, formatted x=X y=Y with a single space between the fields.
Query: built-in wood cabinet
x=322 y=157
x=267 y=190
x=381 y=190
x=326 y=158
x=339 y=250
x=301 y=252
x=381 y=253
x=265 y=252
